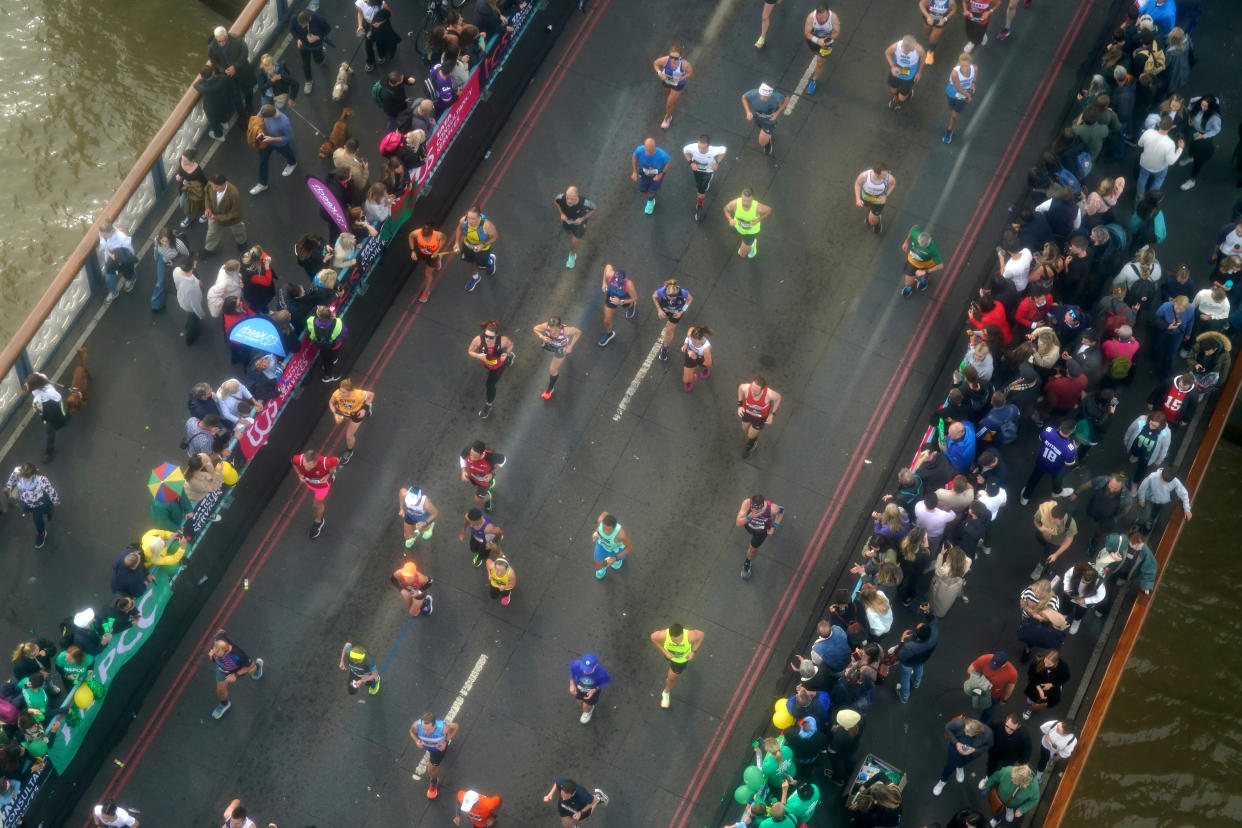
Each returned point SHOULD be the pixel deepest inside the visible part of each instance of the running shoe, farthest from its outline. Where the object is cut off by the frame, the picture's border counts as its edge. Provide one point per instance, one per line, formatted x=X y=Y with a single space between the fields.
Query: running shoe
x=1188 y=184
x=631 y=310
x=811 y=86
x=409 y=542
x=257 y=188
x=687 y=387
x=668 y=120
x=930 y=59
x=968 y=48
x=504 y=600
x=650 y=207
x=431 y=527
x=664 y=699
x=1003 y=34
x=547 y=394
x=948 y=136
x=40 y=539
x=473 y=281
x=347 y=456
x=221 y=709
x=485 y=412
x=370 y=67
x=288 y=170
x=767 y=148
x=907 y=291
x=983 y=41
x=664 y=353
x=922 y=283
x=129 y=285
x=698 y=212
x=258 y=669
x=487 y=507
x=374 y=688
x=746 y=571
x=617 y=563
x=307 y=87
x=185 y=222
x=477 y=561
x=704 y=374
x=879 y=227
x=491 y=264
x=572 y=260
x=433 y=789
x=607 y=337
x=427 y=607
x=425 y=295
x=754 y=249
x=600 y=573
x=316 y=528
x=602 y=797
x=758 y=45
x=746 y=452
x=586 y=715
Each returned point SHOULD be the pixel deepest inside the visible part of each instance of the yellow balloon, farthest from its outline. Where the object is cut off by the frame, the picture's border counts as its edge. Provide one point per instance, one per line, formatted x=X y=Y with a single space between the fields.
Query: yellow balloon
x=83 y=697
x=779 y=705
x=781 y=718
x=228 y=473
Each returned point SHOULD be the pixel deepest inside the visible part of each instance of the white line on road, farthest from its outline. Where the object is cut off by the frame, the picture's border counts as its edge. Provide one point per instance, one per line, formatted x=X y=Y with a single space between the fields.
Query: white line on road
x=454 y=708
x=797 y=94
x=638 y=378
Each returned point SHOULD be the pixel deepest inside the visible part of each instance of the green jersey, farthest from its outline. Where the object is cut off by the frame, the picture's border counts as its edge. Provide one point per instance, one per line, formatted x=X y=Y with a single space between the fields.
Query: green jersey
x=919 y=256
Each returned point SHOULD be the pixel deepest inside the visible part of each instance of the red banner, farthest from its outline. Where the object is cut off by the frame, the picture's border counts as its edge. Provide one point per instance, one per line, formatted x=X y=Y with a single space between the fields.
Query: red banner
x=253 y=438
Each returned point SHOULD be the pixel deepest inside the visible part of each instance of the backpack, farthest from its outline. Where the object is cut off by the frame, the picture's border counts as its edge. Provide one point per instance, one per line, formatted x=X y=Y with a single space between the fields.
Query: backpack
x=1083 y=164
x=1068 y=180
x=254 y=131
x=390 y=143
x=979 y=688
x=1155 y=62
x=377 y=93
x=1110 y=321
x=1119 y=367
x=1008 y=431
x=67 y=631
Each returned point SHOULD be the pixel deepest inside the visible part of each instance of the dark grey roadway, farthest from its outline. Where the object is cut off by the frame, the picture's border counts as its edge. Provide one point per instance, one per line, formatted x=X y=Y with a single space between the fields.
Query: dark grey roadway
x=817 y=311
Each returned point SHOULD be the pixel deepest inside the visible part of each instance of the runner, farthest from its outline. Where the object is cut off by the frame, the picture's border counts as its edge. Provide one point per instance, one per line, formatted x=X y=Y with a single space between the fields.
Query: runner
x=960 y=91
x=673 y=70
x=977 y=14
x=478 y=234
x=619 y=292
x=763 y=22
x=612 y=544
x=501 y=579
x=704 y=160
x=671 y=301
x=558 y=339
x=231 y=664
x=698 y=351
x=821 y=30
x=573 y=804
x=677 y=645
x=418 y=515
x=760 y=517
x=434 y=736
x=763 y=106
x=936 y=14
x=905 y=67
x=236 y=816
x=427 y=245
x=317 y=472
x=922 y=258
x=755 y=409
x=648 y=164
x=587 y=678
x=483 y=534
x=496 y=354
x=478 y=467
x=574 y=211
x=362 y=669
x=412 y=586
x=746 y=215
x=110 y=815
x=480 y=810
x=873 y=187
x=1010 y=12
x=354 y=404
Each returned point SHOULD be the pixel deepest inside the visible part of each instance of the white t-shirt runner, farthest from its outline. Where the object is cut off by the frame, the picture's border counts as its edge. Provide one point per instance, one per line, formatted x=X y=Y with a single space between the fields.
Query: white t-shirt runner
x=121 y=818
x=702 y=160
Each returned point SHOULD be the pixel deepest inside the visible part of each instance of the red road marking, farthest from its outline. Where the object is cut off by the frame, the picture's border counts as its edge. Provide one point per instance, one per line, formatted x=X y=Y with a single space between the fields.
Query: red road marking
x=283 y=519
x=815 y=547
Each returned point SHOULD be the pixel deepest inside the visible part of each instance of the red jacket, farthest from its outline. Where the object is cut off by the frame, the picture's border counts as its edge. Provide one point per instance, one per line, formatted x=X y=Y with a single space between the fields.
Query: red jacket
x=1063 y=393
x=1029 y=315
x=996 y=316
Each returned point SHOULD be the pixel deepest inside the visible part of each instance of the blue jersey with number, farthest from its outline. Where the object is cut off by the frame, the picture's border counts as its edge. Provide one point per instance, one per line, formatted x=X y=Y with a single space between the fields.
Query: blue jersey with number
x=1056 y=453
x=650 y=165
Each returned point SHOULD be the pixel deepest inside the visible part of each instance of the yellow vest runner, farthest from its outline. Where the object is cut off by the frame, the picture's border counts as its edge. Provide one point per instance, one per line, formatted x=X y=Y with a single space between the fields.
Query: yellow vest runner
x=678 y=651
x=746 y=221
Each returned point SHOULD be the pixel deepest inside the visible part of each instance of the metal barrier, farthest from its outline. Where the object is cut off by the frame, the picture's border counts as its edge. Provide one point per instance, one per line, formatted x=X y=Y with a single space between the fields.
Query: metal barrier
x=80 y=283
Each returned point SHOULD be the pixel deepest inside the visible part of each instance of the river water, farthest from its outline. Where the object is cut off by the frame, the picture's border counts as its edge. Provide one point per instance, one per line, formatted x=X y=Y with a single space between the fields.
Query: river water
x=85 y=85
x=1169 y=749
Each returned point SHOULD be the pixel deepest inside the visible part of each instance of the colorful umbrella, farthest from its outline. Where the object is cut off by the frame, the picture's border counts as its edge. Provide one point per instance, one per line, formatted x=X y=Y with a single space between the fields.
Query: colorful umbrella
x=166 y=483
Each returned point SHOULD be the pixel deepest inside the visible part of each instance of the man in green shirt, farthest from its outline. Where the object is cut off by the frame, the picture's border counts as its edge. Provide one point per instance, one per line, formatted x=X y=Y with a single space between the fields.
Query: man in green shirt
x=922 y=258
x=801 y=806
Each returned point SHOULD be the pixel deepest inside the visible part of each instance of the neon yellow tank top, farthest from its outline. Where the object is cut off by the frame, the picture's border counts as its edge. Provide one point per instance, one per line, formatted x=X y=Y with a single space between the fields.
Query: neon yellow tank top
x=679 y=650
x=499 y=583
x=746 y=221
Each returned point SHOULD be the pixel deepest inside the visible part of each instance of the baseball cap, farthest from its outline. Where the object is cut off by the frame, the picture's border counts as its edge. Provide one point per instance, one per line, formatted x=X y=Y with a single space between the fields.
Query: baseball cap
x=589 y=661
x=764 y=89
x=469 y=799
x=998 y=661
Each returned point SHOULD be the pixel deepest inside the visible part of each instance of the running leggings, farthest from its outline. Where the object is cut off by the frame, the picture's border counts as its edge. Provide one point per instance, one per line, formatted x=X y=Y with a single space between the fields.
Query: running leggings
x=493 y=377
